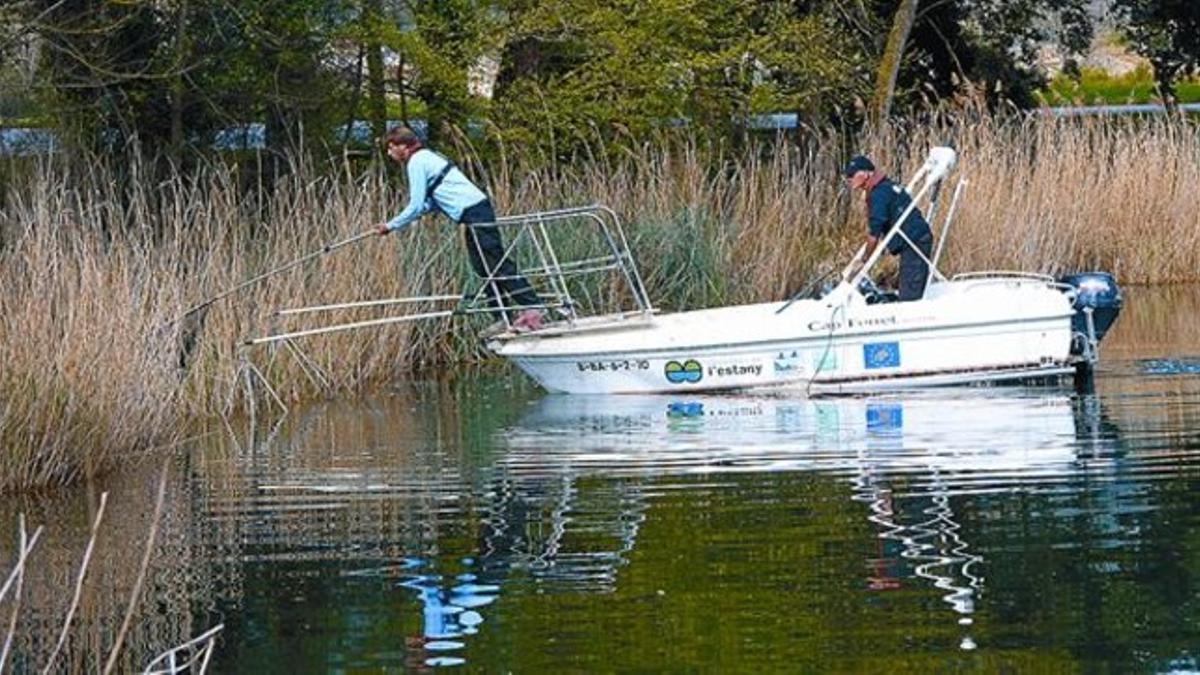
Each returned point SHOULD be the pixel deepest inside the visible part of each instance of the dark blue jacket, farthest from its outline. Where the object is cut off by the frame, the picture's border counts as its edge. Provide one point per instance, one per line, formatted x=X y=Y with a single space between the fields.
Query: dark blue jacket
x=887 y=202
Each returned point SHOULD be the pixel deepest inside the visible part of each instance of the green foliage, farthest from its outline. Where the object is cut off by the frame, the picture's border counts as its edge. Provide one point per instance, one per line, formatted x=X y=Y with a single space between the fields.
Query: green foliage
x=15 y=102
x=568 y=75
x=1097 y=87
x=273 y=62
x=689 y=259
x=577 y=68
x=99 y=61
x=1168 y=33
x=437 y=43
x=171 y=73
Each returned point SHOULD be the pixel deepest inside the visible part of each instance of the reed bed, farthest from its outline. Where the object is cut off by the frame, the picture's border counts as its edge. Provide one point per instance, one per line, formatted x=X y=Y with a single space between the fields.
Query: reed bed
x=94 y=268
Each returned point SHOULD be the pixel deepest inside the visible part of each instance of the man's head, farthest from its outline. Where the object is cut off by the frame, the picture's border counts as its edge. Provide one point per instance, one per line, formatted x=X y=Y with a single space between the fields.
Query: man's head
x=400 y=143
x=858 y=171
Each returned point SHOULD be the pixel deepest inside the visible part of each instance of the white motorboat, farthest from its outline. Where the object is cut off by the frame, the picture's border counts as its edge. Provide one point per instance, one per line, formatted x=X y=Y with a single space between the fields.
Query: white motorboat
x=972 y=328
x=607 y=338
x=968 y=330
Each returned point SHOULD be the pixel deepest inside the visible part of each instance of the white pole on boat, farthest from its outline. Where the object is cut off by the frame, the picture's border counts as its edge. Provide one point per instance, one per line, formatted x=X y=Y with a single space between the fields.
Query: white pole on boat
x=366 y=303
x=937 y=254
x=882 y=245
x=346 y=326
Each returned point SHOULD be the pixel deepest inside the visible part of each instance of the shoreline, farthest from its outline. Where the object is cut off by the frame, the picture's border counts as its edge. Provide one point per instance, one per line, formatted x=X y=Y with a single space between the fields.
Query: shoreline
x=90 y=271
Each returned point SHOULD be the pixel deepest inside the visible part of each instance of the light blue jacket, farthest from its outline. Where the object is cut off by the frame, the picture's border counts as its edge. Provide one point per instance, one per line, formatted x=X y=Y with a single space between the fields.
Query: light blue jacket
x=455 y=195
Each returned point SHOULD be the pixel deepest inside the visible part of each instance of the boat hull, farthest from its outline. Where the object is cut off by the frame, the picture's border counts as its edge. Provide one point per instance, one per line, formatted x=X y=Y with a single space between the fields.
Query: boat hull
x=963 y=333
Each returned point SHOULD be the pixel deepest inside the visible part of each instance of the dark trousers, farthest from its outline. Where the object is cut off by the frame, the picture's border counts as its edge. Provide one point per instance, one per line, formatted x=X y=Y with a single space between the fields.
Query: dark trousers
x=914 y=271
x=485 y=249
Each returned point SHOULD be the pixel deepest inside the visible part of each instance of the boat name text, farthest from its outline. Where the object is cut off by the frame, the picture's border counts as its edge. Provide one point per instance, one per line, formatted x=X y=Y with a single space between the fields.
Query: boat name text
x=821 y=325
x=870 y=322
x=733 y=370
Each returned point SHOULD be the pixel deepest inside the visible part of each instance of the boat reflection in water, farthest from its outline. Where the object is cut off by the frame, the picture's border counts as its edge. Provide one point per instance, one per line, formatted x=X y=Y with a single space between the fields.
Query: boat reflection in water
x=1002 y=436
x=478 y=532
x=902 y=458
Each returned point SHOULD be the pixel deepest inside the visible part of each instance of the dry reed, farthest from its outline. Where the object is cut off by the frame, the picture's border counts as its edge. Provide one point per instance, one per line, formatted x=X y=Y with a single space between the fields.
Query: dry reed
x=90 y=272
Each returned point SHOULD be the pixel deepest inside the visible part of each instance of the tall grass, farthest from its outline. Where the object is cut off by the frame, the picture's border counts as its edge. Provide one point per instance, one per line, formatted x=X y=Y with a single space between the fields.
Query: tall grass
x=91 y=273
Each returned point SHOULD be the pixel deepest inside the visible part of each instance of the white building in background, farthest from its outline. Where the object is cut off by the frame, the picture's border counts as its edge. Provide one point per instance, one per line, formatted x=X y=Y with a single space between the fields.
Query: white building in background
x=481 y=77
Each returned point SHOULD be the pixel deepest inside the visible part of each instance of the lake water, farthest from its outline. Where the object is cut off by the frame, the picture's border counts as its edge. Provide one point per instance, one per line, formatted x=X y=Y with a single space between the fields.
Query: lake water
x=477 y=523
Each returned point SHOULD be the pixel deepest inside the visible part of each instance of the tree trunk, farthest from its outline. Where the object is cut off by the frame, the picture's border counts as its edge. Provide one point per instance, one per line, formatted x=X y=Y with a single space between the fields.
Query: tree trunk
x=1164 y=78
x=355 y=95
x=376 y=101
x=177 y=87
x=893 y=55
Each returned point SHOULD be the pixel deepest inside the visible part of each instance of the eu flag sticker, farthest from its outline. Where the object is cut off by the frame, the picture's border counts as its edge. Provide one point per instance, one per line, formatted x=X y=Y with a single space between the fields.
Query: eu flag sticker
x=881 y=355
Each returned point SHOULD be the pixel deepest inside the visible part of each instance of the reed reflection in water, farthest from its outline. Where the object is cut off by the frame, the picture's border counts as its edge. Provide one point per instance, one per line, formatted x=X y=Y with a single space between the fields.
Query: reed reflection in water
x=481 y=523
x=183 y=583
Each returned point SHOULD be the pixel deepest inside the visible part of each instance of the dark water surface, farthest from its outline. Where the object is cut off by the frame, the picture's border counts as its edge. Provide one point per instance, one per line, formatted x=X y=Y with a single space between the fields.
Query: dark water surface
x=480 y=524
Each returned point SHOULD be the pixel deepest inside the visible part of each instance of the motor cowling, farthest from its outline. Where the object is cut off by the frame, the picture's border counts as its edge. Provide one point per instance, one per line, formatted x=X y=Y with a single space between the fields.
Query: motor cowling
x=1099 y=292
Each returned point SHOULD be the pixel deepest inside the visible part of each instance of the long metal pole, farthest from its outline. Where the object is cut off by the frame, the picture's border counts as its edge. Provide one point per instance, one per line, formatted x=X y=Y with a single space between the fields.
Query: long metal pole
x=347 y=326
x=367 y=303
x=330 y=248
x=823 y=274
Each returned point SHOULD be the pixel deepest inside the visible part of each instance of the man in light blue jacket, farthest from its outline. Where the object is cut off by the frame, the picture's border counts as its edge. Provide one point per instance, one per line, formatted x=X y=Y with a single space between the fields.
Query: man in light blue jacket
x=435 y=184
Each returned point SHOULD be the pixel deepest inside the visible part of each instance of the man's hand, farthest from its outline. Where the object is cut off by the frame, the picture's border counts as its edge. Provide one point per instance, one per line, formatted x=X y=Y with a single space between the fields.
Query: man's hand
x=382 y=229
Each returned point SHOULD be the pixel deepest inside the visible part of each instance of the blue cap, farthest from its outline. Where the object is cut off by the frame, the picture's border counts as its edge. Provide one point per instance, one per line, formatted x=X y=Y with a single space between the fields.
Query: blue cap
x=859 y=163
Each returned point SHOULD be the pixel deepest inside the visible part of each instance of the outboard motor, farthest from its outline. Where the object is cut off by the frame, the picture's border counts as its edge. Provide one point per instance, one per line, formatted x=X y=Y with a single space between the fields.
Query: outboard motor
x=1098 y=291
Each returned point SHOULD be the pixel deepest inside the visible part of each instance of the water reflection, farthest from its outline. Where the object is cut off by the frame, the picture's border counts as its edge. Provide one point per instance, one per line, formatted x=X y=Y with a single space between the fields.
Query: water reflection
x=903 y=458
x=983 y=437
x=179 y=581
x=480 y=523
x=448 y=613
x=552 y=499
x=1171 y=367
x=930 y=547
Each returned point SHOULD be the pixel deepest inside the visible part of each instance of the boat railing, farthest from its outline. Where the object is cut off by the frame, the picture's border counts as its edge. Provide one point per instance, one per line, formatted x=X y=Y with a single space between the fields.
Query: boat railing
x=995 y=277
x=550 y=263
x=1003 y=274
x=992 y=277
x=577 y=260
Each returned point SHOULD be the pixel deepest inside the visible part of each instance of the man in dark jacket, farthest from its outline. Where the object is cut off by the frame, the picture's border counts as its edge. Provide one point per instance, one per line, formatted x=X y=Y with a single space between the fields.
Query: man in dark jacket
x=885 y=203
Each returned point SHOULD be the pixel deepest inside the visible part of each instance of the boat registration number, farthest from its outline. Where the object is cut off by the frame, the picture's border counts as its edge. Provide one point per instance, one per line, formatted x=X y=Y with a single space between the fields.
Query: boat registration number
x=612 y=366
